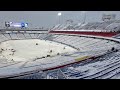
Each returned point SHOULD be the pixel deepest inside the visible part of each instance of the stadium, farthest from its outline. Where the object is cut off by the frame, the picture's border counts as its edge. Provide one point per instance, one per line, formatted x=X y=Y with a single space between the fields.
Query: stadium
x=65 y=51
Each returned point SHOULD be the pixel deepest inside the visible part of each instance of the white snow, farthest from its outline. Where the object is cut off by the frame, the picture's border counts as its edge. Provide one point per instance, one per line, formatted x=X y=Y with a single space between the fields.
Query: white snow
x=26 y=55
x=25 y=50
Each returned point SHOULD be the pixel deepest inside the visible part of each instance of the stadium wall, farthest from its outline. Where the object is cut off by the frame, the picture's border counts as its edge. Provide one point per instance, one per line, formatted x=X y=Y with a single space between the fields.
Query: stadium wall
x=105 y=34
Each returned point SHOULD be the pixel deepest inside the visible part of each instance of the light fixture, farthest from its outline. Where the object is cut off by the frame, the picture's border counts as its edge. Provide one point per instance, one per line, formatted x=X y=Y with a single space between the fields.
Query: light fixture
x=59 y=14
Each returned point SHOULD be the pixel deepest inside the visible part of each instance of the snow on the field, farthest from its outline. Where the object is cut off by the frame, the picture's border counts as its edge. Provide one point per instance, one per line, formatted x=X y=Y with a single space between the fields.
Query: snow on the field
x=26 y=50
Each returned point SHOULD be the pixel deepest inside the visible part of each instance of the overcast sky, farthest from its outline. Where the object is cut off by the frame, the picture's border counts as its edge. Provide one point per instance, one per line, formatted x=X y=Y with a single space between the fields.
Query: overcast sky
x=50 y=18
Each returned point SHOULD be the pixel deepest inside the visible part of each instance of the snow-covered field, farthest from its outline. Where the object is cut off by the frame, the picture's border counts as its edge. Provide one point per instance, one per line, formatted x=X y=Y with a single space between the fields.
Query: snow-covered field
x=31 y=49
x=24 y=55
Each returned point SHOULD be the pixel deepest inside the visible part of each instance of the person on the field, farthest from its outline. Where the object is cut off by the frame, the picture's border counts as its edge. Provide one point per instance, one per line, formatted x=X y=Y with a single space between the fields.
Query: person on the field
x=36 y=43
x=50 y=51
x=13 y=51
x=2 y=49
x=58 y=53
x=12 y=60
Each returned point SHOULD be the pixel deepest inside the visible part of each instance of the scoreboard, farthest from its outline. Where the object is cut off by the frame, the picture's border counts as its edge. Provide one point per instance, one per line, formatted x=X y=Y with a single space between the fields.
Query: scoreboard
x=16 y=25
